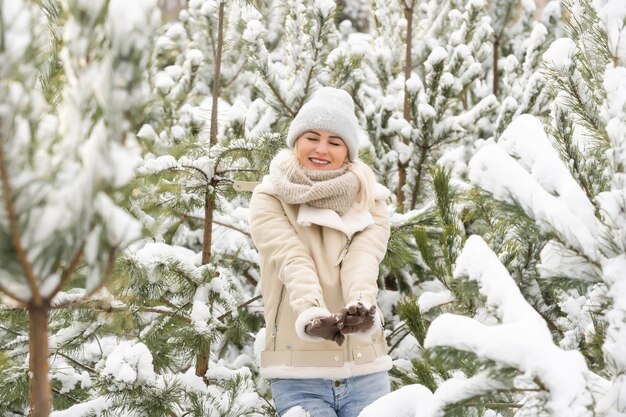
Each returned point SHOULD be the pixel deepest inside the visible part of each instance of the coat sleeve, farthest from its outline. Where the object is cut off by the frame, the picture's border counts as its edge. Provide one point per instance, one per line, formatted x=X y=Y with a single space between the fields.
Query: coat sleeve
x=277 y=242
x=359 y=268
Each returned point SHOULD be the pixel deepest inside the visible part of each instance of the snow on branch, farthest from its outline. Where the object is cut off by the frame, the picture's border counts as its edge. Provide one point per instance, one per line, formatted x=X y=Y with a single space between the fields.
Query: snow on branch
x=522 y=340
x=524 y=169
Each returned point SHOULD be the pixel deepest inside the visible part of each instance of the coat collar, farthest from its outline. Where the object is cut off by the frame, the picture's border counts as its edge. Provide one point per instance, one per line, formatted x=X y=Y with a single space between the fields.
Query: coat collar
x=352 y=221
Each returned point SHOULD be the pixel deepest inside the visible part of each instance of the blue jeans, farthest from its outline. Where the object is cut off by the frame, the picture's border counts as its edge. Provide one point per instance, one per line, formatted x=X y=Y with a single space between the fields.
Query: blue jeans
x=327 y=397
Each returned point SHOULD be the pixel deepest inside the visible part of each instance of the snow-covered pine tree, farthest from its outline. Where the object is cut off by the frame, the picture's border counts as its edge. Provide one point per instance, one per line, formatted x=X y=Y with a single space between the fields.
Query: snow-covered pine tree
x=357 y=12
x=440 y=233
x=184 y=175
x=570 y=184
x=73 y=92
x=447 y=50
x=435 y=67
x=290 y=64
x=178 y=301
x=519 y=43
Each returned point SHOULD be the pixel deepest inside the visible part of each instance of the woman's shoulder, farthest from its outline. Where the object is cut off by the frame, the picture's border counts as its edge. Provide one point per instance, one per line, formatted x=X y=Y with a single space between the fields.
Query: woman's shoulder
x=266 y=186
x=381 y=192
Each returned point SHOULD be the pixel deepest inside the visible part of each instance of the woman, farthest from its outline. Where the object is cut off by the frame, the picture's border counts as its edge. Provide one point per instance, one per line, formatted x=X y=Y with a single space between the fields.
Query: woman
x=321 y=226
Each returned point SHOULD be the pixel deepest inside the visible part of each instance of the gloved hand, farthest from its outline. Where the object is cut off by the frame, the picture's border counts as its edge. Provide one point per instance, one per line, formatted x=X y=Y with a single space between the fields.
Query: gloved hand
x=358 y=319
x=326 y=328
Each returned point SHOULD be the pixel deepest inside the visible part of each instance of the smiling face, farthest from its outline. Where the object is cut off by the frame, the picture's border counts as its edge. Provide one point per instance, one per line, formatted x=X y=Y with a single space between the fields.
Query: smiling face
x=321 y=150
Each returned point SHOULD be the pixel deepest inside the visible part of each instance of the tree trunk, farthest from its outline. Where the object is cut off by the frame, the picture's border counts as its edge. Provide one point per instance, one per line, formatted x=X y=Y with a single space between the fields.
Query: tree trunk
x=496 y=49
x=216 y=78
x=202 y=358
x=408 y=66
x=39 y=383
x=207 y=237
x=420 y=174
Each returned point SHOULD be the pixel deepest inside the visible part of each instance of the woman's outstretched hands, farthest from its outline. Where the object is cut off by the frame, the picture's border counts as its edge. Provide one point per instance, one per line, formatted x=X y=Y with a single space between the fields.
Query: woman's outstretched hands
x=358 y=318
x=326 y=328
x=353 y=319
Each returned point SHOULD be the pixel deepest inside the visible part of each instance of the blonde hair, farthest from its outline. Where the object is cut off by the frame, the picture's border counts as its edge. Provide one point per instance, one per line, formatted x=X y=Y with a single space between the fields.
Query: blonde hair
x=367 y=180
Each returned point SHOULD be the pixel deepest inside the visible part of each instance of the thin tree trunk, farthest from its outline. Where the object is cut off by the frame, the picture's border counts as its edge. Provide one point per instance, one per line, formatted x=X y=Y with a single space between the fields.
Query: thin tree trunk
x=496 y=48
x=39 y=388
x=218 y=68
x=420 y=174
x=209 y=205
x=408 y=66
x=39 y=383
x=202 y=358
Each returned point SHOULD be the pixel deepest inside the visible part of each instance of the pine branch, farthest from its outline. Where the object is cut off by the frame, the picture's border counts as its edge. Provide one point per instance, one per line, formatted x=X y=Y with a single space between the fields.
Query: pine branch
x=250 y=301
x=396 y=344
x=201 y=219
x=89 y=294
x=497 y=405
x=89 y=369
x=276 y=91
x=12 y=331
x=111 y=309
x=13 y=296
x=16 y=239
x=67 y=273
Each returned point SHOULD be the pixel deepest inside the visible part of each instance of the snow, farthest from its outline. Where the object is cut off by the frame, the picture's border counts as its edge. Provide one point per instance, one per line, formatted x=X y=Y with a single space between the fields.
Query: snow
x=69 y=378
x=520 y=166
x=122 y=228
x=560 y=53
x=560 y=261
x=85 y=409
x=429 y=300
x=538 y=181
x=200 y=315
x=130 y=364
x=414 y=84
x=164 y=82
x=253 y=31
x=325 y=7
x=194 y=56
x=16 y=21
x=522 y=340
x=407 y=401
x=191 y=381
x=296 y=412
x=613 y=15
x=130 y=22
x=153 y=253
x=438 y=55
x=615 y=86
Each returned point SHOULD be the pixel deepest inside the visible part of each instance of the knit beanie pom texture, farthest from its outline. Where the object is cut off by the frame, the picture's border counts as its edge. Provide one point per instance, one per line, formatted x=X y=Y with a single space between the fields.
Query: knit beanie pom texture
x=329 y=109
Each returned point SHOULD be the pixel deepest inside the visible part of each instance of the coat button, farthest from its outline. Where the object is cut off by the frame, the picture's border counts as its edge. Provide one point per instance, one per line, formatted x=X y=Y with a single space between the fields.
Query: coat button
x=337 y=383
x=337 y=358
x=358 y=355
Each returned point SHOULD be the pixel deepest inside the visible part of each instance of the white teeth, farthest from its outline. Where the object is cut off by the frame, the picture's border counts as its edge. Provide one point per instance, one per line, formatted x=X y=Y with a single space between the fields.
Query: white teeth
x=319 y=161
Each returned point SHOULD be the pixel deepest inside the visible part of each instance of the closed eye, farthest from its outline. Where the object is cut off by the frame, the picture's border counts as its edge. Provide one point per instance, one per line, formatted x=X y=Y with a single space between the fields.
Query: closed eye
x=313 y=138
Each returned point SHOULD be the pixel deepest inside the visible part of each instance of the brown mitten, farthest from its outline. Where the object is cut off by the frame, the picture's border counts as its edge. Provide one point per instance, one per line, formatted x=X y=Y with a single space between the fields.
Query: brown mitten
x=326 y=328
x=361 y=319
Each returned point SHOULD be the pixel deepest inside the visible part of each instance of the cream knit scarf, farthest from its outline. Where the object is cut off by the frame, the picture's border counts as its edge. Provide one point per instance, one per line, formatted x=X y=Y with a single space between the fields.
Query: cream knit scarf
x=334 y=190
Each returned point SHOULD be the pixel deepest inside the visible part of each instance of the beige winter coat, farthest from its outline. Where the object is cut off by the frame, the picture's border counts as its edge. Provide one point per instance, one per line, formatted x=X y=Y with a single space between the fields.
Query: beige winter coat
x=313 y=263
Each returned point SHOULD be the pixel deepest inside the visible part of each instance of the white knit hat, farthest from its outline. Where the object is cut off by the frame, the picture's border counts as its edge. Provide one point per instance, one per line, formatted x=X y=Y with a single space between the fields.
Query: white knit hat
x=329 y=109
